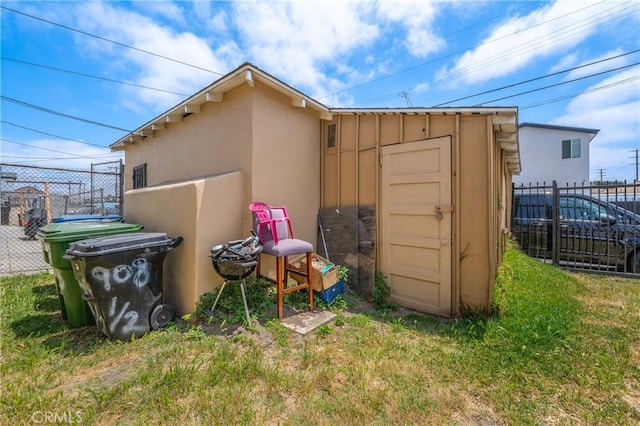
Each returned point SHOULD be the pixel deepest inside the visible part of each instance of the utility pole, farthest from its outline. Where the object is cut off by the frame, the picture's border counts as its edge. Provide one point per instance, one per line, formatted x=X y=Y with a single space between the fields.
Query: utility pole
x=601 y=172
x=636 y=163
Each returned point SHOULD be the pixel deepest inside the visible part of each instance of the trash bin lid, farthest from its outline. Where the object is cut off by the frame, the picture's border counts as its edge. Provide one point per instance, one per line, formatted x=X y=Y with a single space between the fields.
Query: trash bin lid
x=86 y=217
x=74 y=231
x=118 y=243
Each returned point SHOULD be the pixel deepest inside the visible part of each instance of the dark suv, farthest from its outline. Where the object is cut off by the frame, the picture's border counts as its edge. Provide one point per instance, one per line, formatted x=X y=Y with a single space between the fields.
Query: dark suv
x=591 y=233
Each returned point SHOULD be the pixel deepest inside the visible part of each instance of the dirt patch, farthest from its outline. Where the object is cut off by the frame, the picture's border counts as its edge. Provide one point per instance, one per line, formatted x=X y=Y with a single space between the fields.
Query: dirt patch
x=107 y=373
x=604 y=323
x=633 y=400
x=599 y=302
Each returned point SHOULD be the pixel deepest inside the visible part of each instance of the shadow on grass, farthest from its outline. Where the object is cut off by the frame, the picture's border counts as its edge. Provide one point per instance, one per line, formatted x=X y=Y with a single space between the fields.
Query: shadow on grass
x=38 y=325
x=78 y=341
x=45 y=290
x=46 y=298
x=57 y=334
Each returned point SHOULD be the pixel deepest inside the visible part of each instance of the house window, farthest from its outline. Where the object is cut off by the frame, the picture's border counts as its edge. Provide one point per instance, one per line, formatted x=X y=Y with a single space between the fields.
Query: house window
x=571 y=148
x=331 y=136
x=140 y=176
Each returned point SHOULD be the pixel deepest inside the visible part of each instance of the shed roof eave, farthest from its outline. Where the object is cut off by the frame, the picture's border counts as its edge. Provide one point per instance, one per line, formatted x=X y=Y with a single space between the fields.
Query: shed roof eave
x=245 y=73
x=594 y=132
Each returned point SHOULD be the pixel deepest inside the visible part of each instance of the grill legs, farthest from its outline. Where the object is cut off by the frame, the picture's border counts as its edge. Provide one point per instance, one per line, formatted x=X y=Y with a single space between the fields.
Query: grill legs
x=244 y=300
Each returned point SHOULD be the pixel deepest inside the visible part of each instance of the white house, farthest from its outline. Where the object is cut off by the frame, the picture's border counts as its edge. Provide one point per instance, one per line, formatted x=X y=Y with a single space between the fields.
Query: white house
x=549 y=152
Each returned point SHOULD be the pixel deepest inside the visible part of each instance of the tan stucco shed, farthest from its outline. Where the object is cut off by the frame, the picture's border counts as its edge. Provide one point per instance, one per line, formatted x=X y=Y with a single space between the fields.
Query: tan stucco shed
x=428 y=187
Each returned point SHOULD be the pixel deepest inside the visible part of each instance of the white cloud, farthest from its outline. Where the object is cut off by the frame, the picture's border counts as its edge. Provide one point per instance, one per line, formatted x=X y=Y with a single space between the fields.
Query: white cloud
x=423 y=87
x=566 y=61
x=611 y=96
x=417 y=18
x=111 y=21
x=164 y=9
x=602 y=66
x=295 y=40
x=516 y=43
x=302 y=42
x=219 y=22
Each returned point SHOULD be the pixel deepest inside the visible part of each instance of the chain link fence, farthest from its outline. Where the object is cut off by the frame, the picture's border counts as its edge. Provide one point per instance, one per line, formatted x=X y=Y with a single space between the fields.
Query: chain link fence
x=33 y=196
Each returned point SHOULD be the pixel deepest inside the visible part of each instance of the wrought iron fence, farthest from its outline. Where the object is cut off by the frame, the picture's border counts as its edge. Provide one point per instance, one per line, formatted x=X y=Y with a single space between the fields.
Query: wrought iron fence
x=594 y=228
x=32 y=196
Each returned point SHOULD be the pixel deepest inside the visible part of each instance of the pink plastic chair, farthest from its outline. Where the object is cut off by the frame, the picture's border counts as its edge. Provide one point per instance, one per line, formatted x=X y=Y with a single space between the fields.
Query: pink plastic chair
x=272 y=219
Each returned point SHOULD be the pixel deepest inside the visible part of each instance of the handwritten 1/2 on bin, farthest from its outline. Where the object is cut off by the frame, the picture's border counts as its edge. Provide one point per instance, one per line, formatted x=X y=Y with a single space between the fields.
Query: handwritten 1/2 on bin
x=121 y=279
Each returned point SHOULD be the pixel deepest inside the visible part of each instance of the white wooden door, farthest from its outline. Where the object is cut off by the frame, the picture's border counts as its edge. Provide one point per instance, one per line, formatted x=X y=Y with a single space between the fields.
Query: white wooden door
x=416 y=239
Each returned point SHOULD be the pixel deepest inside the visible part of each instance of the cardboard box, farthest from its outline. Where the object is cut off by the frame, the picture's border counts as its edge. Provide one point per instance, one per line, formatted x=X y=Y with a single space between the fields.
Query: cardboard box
x=325 y=273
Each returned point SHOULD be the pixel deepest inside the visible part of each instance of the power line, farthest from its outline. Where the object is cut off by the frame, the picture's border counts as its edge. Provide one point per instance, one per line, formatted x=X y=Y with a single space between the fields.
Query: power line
x=551 y=38
x=38 y=159
x=110 y=41
x=384 y=59
x=548 y=39
x=151 y=53
x=536 y=78
x=50 y=111
x=49 y=134
x=573 y=95
x=90 y=76
x=460 y=52
x=54 y=150
x=26 y=160
x=559 y=84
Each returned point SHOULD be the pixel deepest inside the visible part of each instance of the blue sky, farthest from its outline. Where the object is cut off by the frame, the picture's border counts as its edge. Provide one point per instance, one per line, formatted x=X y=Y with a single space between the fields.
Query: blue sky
x=115 y=65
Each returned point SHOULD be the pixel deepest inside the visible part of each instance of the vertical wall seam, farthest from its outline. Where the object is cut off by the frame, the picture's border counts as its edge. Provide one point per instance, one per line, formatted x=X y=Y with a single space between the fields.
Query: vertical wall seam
x=490 y=210
x=456 y=273
x=322 y=153
x=339 y=154
x=357 y=124
x=378 y=159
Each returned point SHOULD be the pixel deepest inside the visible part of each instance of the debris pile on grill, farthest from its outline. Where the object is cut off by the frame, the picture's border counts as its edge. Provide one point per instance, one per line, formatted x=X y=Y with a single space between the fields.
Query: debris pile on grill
x=236 y=259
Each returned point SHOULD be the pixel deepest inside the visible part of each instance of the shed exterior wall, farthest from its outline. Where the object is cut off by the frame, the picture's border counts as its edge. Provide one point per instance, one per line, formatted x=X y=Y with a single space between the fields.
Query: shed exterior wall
x=255 y=132
x=286 y=159
x=480 y=180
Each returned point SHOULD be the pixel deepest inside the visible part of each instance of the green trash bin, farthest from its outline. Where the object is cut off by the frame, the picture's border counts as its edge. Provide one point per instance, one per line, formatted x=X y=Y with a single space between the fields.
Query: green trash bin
x=55 y=239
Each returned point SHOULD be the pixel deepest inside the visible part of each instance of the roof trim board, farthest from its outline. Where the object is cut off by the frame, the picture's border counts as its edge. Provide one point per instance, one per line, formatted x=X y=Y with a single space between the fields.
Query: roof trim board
x=556 y=127
x=504 y=119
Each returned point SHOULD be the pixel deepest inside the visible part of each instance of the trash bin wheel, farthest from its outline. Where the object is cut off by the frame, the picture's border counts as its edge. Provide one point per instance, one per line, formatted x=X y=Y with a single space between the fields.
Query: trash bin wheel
x=161 y=316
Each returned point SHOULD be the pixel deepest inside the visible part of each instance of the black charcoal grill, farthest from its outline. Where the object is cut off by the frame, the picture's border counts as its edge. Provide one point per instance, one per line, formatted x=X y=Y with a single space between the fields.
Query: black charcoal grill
x=234 y=261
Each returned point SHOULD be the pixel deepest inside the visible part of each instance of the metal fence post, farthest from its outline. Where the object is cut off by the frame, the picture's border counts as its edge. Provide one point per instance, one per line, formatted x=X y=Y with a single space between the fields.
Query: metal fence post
x=555 y=224
x=121 y=186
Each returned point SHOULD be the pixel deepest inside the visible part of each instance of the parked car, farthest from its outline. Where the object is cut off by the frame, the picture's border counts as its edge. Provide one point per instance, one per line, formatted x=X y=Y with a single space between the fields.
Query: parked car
x=592 y=232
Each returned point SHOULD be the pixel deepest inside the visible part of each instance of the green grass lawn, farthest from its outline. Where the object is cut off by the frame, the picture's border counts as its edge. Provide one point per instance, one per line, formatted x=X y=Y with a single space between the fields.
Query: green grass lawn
x=559 y=349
